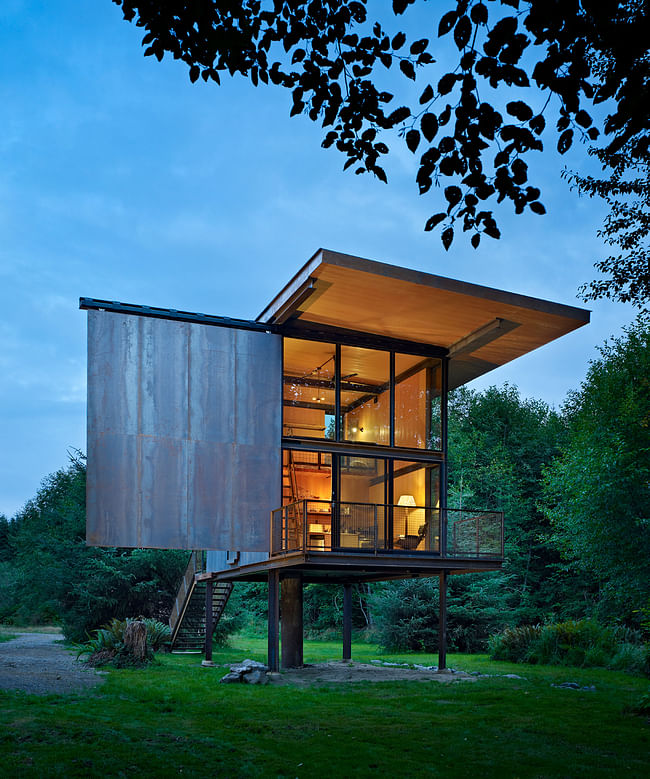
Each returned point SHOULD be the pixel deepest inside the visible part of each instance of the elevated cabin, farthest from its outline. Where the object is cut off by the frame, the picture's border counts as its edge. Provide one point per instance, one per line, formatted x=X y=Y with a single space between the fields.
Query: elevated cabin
x=307 y=445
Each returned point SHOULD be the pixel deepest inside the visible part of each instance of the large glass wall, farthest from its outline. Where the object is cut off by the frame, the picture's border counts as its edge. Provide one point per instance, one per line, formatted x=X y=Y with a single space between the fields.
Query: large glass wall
x=366 y=380
x=417 y=402
x=309 y=389
x=416 y=501
x=362 y=502
x=341 y=501
x=365 y=395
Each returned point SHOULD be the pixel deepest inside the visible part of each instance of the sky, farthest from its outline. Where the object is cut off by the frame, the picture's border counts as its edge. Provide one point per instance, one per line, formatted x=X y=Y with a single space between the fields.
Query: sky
x=121 y=180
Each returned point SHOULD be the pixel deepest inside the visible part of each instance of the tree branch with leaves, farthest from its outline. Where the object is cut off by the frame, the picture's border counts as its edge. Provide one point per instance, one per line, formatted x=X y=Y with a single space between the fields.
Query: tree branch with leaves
x=473 y=127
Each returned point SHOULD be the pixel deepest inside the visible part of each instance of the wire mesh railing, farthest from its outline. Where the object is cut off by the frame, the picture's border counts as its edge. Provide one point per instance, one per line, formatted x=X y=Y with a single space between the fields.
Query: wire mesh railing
x=474 y=533
x=327 y=526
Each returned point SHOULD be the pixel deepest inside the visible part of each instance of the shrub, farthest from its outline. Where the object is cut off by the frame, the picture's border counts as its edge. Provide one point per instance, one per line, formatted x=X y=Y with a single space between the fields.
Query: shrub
x=632 y=658
x=567 y=643
x=107 y=646
x=514 y=644
x=642 y=706
x=583 y=643
x=229 y=623
x=406 y=616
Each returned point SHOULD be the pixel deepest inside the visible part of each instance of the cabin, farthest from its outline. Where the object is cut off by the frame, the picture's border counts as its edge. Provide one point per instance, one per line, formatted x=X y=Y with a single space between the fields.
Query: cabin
x=306 y=445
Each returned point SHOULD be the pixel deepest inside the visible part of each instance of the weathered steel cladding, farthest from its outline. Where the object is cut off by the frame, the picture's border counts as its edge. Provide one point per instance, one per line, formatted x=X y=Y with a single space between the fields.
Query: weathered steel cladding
x=183 y=434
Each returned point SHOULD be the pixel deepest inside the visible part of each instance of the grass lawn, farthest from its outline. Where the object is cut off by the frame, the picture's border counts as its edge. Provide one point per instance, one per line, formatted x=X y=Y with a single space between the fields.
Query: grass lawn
x=13 y=629
x=9 y=632
x=176 y=719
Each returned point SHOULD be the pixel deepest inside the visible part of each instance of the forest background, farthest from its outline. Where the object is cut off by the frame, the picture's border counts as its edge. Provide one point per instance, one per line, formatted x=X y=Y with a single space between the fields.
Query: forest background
x=573 y=485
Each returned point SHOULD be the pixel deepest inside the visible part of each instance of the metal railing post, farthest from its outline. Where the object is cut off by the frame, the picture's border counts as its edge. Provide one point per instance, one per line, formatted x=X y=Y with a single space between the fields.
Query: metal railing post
x=376 y=530
x=284 y=530
x=304 y=526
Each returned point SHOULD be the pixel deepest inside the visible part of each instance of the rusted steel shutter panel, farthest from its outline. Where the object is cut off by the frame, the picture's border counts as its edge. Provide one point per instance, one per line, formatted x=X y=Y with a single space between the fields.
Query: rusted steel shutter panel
x=183 y=433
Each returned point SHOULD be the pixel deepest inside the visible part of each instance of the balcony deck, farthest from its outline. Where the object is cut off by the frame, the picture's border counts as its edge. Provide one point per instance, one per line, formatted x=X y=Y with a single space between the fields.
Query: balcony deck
x=330 y=542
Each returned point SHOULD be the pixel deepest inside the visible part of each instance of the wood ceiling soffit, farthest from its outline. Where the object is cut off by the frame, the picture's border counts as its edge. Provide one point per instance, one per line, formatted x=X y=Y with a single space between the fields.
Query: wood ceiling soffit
x=482 y=336
x=291 y=306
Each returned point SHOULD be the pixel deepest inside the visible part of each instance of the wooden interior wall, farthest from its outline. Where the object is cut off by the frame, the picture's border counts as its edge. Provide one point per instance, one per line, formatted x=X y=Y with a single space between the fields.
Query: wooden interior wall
x=317 y=486
x=309 y=422
x=372 y=421
x=410 y=411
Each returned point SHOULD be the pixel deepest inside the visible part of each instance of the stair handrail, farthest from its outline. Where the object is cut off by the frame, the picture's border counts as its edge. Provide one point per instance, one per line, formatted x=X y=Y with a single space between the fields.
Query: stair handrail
x=195 y=564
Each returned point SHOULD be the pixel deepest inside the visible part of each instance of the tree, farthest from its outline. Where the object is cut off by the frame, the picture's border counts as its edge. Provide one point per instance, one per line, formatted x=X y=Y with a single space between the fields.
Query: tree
x=499 y=444
x=597 y=495
x=5 y=549
x=56 y=577
x=547 y=58
x=627 y=226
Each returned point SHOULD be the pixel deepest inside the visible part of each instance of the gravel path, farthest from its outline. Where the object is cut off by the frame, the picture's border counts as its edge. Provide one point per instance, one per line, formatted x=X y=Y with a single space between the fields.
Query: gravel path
x=35 y=663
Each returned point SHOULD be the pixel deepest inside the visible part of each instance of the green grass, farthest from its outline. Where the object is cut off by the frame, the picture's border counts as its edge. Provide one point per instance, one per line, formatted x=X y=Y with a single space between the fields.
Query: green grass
x=175 y=718
x=29 y=629
x=6 y=637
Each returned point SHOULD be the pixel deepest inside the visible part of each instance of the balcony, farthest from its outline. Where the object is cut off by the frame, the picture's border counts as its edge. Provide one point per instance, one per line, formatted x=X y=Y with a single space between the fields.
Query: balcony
x=318 y=527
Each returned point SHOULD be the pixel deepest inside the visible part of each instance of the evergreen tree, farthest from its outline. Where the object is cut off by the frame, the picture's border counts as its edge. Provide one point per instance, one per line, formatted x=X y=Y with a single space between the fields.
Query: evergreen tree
x=596 y=493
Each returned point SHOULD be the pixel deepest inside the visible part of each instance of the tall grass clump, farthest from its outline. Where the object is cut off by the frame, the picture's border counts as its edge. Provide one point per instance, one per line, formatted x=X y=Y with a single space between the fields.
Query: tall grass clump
x=584 y=643
x=514 y=644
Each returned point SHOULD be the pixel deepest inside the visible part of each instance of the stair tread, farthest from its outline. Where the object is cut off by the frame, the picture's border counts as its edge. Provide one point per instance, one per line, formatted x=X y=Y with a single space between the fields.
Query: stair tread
x=190 y=635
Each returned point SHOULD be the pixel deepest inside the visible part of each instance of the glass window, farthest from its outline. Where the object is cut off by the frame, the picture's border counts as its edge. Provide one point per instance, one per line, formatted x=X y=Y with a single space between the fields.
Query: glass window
x=306 y=476
x=365 y=395
x=417 y=401
x=309 y=389
x=416 y=519
x=362 y=502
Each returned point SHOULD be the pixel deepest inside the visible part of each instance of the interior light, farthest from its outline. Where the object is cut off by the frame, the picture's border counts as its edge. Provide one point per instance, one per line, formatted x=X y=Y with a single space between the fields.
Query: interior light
x=406 y=500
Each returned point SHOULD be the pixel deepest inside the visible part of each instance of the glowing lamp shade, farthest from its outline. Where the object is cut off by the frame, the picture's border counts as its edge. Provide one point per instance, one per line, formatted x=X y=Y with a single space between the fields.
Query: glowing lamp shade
x=406 y=500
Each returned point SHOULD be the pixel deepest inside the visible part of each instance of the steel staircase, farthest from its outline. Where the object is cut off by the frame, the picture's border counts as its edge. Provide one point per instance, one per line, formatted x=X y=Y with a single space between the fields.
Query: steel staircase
x=187 y=620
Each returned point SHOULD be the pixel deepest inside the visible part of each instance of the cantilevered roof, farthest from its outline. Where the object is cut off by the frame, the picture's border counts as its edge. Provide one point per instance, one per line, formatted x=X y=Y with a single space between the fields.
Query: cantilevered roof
x=482 y=328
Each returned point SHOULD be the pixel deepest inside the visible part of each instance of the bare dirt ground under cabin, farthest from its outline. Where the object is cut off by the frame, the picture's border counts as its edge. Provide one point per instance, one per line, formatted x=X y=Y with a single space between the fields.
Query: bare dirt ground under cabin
x=38 y=663
x=337 y=672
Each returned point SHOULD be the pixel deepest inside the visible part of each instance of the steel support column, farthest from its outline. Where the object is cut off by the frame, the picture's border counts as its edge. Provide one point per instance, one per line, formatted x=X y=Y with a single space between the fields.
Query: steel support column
x=208 y=621
x=274 y=621
x=291 y=609
x=444 y=470
x=442 y=623
x=347 y=621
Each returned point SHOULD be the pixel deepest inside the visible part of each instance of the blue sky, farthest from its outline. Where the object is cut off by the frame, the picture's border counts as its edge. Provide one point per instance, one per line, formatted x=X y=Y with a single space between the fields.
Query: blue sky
x=121 y=180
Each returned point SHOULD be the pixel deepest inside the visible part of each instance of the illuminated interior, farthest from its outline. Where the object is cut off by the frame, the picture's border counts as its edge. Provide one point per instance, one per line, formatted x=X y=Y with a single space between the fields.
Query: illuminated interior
x=366 y=378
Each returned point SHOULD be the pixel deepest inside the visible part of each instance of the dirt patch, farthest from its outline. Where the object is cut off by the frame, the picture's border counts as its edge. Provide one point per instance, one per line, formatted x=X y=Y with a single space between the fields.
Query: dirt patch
x=336 y=672
x=36 y=663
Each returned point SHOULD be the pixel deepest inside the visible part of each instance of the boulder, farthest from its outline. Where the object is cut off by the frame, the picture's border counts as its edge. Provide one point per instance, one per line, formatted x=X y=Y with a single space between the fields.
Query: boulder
x=256 y=676
x=246 y=666
x=231 y=679
x=248 y=671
